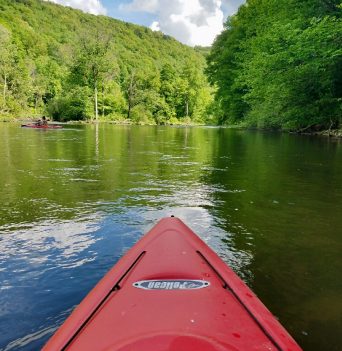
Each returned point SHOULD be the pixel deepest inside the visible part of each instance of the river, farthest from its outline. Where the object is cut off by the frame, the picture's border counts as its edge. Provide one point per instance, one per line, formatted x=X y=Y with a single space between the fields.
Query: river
x=72 y=201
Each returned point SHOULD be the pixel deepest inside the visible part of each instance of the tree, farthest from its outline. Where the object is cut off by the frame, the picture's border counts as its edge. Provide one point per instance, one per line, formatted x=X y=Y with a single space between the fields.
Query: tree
x=132 y=91
x=16 y=87
x=277 y=64
x=7 y=62
x=140 y=83
x=193 y=82
x=92 y=63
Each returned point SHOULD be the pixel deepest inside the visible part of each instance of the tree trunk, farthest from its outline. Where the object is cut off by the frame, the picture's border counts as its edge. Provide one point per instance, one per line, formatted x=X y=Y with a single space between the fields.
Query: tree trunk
x=129 y=110
x=5 y=89
x=331 y=125
x=96 y=105
x=187 y=108
x=35 y=103
x=304 y=129
x=130 y=95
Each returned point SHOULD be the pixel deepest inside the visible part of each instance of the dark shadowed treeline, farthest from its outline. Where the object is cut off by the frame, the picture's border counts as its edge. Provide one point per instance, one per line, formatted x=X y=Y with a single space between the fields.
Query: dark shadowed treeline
x=75 y=66
x=278 y=64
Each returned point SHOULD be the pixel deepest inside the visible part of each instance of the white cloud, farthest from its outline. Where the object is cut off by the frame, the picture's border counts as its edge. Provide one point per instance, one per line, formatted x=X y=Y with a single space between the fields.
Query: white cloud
x=150 y=6
x=155 y=26
x=92 y=6
x=193 y=22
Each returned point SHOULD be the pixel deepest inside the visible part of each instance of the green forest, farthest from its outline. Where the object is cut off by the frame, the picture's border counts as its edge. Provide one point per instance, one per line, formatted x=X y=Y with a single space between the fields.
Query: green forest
x=276 y=65
x=70 y=65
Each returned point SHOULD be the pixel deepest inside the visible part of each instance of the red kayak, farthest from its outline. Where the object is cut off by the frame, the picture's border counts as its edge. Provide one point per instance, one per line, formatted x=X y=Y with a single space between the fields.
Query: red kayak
x=171 y=292
x=49 y=126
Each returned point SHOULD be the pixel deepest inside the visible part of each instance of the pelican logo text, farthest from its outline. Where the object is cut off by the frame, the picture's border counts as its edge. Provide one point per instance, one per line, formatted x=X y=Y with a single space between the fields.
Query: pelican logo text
x=178 y=284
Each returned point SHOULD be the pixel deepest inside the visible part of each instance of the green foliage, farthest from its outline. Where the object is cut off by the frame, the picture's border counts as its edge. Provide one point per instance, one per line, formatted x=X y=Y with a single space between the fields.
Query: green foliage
x=72 y=106
x=140 y=115
x=14 y=75
x=73 y=65
x=278 y=65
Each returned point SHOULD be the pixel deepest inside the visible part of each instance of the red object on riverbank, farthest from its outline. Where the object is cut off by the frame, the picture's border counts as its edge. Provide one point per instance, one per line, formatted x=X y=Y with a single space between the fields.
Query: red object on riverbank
x=171 y=292
x=49 y=126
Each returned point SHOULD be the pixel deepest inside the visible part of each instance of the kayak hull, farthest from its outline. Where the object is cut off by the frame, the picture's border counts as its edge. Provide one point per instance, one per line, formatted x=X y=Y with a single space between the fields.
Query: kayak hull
x=41 y=127
x=171 y=292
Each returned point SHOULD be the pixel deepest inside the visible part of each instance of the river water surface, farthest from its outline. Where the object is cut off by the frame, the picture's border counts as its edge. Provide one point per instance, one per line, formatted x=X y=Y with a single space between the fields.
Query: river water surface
x=72 y=201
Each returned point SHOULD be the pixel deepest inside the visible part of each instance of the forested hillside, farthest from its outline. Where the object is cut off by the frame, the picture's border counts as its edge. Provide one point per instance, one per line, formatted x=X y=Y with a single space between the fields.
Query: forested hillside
x=278 y=64
x=72 y=66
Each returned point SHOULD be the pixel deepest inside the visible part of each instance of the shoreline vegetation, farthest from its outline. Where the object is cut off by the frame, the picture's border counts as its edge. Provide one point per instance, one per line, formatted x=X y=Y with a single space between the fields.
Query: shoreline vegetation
x=276 y=66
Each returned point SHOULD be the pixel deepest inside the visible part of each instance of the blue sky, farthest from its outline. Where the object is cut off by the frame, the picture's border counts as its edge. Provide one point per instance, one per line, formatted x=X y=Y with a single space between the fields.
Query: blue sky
x=193 y=22
x=114 y=10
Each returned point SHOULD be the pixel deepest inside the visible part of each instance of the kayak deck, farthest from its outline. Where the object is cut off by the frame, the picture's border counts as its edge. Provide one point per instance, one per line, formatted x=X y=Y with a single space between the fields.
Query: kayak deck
x=171 y=292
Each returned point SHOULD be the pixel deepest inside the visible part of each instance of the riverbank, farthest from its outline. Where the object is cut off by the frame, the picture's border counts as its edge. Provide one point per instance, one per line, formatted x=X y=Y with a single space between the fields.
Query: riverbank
x=174 y=121
x=332 y=133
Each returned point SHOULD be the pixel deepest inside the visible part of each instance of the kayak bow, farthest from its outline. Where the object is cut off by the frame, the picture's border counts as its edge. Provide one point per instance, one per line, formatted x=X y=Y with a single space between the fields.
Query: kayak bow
x=171 y=292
